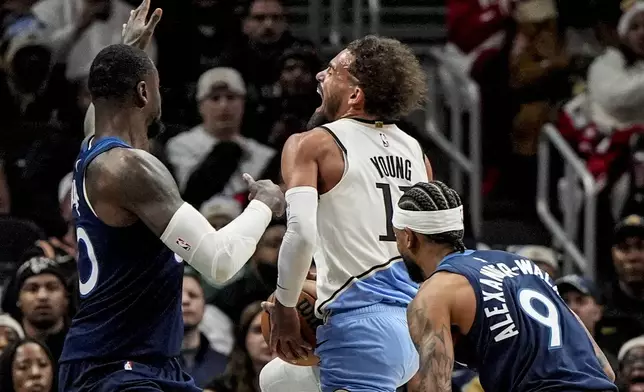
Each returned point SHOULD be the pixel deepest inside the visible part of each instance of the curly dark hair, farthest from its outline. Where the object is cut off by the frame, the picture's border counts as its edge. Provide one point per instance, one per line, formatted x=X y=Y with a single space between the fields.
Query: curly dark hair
x=390 y=75
x=434 y=196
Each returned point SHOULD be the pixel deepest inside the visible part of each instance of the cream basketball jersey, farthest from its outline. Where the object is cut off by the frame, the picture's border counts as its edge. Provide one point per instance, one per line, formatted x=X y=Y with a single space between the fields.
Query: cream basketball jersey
x=357 y=261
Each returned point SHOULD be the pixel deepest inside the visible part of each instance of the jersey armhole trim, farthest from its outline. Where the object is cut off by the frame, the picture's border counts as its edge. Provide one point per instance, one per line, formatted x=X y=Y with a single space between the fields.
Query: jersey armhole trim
x=86 y=166
x=335 y=137
x=345 y=158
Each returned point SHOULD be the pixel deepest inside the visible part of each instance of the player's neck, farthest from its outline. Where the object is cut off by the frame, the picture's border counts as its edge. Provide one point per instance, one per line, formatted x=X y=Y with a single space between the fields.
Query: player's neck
x=31 y=330
x=432 y=256
x=354 y=113
x=121 y=123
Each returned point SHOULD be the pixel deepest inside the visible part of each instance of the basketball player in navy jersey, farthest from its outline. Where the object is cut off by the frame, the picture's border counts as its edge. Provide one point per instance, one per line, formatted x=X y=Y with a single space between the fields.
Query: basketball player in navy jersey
x=490 y=310
x=134 y=231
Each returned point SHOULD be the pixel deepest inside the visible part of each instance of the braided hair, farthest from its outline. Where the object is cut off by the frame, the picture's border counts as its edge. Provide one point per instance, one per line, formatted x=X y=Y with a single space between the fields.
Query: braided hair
x=434 y=196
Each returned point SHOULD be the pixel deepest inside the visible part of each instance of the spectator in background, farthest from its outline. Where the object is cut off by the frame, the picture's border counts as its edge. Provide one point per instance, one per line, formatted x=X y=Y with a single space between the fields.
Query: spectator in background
x=210 y=159
x=27 y=366
x=538 y=72
x=66 y=243
x=250 y=355
x=213 y=30
x=631 y=365
x=544 y=257
x=266 y=29
x=10 y=331
x=79 y=29
x=624 y=307
x=197 y=357
x=37 y=148
x=582 y=297
x=297 y=98
x=616 y=78
x=257 y=280
x=479 y=34
x=220 y=211
x=41 y=302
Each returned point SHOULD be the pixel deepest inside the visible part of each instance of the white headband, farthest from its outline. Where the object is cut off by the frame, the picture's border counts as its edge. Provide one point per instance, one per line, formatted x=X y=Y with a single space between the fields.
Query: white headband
x=629 y=345
x=627 y=17
x=429 y=222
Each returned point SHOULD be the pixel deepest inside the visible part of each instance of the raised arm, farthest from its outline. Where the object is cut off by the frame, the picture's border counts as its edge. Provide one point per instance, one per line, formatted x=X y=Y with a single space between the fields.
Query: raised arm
x=428 y=317
x=137 y=32
x=136 y=181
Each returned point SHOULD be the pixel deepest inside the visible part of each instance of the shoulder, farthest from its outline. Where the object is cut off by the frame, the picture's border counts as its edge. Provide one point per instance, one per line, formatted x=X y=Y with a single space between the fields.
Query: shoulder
x=443 y=284
x=310 y=143
x=443 y=289
x=310 y=139
x=119 y=167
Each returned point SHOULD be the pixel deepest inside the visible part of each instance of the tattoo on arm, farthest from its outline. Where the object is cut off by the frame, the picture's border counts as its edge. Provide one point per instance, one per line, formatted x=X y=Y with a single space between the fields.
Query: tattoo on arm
x=434 y=345
x=601 y=357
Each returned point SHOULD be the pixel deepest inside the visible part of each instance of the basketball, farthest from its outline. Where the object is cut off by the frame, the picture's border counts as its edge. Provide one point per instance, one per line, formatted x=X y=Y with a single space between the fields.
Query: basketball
x=308 y=321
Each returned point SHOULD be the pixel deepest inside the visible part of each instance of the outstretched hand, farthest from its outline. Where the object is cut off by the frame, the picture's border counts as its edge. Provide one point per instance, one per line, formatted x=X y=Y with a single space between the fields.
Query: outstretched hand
x=286 y=338
x=137 y=32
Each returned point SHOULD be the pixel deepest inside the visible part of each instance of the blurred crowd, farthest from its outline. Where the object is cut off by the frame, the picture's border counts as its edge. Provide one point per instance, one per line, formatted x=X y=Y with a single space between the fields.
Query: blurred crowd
x=236 y=83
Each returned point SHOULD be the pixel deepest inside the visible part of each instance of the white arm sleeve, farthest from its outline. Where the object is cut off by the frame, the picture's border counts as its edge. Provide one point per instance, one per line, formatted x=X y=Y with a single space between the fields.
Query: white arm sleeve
x=217 y=255
x=297 y=248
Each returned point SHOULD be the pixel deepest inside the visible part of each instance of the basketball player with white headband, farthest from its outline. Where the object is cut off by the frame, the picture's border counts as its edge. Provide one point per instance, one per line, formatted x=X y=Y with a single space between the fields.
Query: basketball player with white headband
x=492 y=311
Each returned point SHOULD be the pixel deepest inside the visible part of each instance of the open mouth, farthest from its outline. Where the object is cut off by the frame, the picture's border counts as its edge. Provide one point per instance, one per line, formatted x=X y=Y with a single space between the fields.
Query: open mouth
x=636 y=382
x=319 y=89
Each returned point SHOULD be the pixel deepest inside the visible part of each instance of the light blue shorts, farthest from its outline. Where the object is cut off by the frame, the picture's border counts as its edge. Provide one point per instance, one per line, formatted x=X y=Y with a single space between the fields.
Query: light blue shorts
x=366 y=350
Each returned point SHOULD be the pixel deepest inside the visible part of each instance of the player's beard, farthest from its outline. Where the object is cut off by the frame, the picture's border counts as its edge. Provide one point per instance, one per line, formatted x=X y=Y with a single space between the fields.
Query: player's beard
x=326 y=113
x=415 y=272
x=317 y=119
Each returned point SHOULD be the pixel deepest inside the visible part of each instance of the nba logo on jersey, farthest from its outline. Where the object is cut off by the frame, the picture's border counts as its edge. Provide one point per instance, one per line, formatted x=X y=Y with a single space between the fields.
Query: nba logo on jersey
x=128 y=365
x=182 y=243
x=385 y=142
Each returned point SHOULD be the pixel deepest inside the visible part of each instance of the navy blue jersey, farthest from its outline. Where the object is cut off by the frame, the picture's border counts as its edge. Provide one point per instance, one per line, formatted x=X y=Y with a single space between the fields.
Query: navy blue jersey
x=130 y=282
x=524 y=336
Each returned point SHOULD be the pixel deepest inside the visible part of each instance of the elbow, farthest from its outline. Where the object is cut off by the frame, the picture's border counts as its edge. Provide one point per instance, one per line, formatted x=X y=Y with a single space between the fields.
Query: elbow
x=305 y=235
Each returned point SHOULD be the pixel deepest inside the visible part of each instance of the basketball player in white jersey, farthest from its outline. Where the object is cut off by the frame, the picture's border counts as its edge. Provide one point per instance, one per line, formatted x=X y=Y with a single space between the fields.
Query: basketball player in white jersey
x=343 y=179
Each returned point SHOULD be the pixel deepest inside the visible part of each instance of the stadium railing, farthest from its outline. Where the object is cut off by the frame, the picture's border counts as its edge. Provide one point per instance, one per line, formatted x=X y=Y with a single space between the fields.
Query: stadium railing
x=450 y=87
x=565 y=233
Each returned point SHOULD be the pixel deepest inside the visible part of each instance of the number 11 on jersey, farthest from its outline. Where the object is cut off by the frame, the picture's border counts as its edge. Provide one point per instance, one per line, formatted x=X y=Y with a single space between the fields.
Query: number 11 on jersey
x=389 y=209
